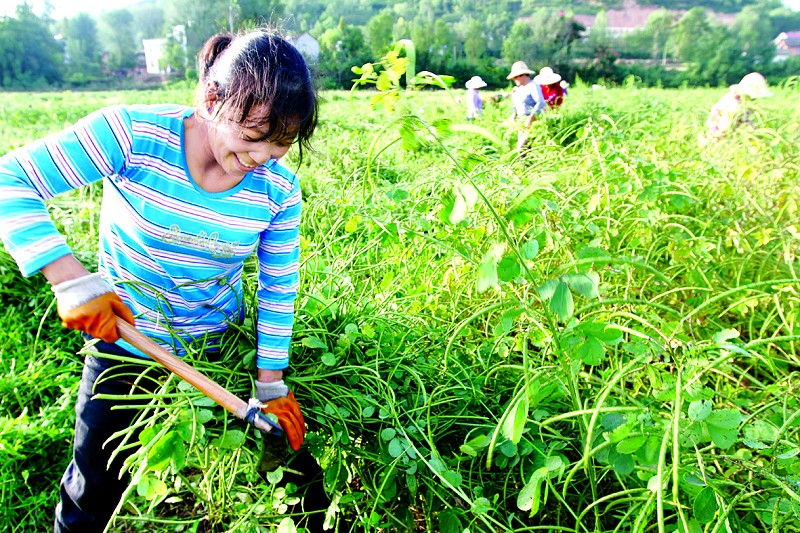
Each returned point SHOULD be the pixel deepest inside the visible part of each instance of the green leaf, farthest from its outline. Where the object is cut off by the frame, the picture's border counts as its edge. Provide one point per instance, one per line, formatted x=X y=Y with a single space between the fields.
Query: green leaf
x=755 y=444
x=584 y=284
x=388 y=434
x=287 y=526
x=648 y=454
x=143 y=487
x=562 y=304
x=591 y=351
x=396 y=447
x=449 y=522
x=352 y=224
x=725 y=419
x=454 y=478
x=788 y=454
x=622 y=463
x=530 y=249
x=275 y=476
x=178 y=455
x=149 y=433
x=601 y=331
x=480 y=442
x=724 y=438
x=409 y=136
x=481 y=506
x=699 y=410
x=548 y=289
x=705 y=505
x=458 y=210
x=692 y=526
x=508 y=268
x=232 y=439
x=514 y=424
x=529 y=497
x=204 y=415
x=184 y=429
x=631 y=444
x=487 y=274
x=725 y=335
x=328 y=359
x=160 y=455
x=313 y=342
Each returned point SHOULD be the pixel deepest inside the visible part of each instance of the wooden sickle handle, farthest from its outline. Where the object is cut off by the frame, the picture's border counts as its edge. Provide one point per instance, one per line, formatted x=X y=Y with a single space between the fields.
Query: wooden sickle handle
x=235 y=405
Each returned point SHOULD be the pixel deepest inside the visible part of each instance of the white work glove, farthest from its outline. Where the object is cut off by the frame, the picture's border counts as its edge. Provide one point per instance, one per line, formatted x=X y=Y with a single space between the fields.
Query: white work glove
x=88 y=304
x=270 y=390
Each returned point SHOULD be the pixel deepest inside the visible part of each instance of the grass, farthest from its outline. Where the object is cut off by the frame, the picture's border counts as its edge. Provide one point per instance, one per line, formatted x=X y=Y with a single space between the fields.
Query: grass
x=600 y=336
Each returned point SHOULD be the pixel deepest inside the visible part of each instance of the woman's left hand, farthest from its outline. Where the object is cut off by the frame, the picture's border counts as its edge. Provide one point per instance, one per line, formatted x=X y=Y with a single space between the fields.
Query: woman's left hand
x=280 y=401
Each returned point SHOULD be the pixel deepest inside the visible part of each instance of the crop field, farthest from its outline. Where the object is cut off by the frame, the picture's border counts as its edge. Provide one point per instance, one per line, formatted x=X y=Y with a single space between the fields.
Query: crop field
x=600 y=335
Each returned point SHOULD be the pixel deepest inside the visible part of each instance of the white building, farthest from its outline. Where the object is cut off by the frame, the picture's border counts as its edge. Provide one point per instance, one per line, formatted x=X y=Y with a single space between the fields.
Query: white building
x=153 y=52
x=306 y=44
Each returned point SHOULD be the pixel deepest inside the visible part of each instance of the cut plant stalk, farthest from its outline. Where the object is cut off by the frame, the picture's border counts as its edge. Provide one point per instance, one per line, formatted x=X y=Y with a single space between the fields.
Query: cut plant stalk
x=274 y=438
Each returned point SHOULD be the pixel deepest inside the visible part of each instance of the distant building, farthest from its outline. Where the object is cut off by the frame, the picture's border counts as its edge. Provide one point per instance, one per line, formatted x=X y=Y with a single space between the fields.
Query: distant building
x=787 y=44
x=633 y=17
x=306 y=44
x=153 y=52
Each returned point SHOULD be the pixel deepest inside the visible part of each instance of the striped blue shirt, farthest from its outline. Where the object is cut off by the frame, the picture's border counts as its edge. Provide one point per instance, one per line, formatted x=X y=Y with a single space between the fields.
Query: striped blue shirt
x=174 y=252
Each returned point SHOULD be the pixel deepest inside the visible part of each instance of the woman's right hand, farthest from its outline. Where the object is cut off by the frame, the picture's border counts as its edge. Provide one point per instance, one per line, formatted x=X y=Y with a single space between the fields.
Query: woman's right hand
x=88 y=304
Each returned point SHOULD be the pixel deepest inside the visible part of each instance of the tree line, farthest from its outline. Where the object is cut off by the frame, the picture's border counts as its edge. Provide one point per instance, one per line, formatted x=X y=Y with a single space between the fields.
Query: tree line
x=461 y=38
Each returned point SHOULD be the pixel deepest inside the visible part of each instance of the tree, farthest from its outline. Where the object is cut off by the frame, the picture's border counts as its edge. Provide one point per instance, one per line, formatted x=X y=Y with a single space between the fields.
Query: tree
x=148 y=22
x=341 y=47
x=200 y=18
x=29 y=55
x=474 y=41
x=659 y=27
x=379 y=33
x=692 y=29
x=598 y=35
x=83 y=48
x=118 y=37
x=755 y=33
x=259 y=12
x=544 y=39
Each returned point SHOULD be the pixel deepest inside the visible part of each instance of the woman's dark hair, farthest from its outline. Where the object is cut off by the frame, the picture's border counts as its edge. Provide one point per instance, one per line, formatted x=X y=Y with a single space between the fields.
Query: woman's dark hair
x=257 y=69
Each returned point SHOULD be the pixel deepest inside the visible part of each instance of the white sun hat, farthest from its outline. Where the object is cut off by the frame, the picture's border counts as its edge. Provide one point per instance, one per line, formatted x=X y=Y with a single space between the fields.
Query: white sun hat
x=475 y=82
x=753 y=85
x=518 y=69
x=547 y=77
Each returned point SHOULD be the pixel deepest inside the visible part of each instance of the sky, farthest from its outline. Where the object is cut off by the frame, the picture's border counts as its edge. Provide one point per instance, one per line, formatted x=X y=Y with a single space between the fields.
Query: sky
x=70 y=8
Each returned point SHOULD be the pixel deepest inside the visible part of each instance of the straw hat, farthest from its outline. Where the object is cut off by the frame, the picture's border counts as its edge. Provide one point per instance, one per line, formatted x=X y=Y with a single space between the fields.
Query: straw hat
x=475 y=82
x=518 y=69
x=753 y=85
x=547 y=77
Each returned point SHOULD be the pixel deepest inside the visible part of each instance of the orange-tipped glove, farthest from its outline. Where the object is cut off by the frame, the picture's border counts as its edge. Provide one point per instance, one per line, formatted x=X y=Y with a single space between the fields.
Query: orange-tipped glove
x=280 y=401
x=88 y=304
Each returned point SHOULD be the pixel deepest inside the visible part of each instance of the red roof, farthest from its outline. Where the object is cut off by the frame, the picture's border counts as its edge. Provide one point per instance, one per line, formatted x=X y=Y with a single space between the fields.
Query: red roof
x=633 y=16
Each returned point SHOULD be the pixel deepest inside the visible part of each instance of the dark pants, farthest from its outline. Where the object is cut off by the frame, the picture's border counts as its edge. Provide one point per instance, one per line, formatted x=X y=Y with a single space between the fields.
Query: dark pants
x=90 y=487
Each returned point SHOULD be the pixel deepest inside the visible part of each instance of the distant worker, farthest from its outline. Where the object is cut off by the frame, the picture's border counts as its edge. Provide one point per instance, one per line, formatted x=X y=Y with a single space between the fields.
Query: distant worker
x=527 y=99
x=735 y=108
x=552 y=90
x=474 y=101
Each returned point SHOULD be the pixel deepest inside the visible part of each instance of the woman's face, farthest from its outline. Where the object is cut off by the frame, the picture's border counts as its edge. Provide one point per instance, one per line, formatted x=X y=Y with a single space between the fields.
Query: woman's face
x=239 y=148
x=522 y=79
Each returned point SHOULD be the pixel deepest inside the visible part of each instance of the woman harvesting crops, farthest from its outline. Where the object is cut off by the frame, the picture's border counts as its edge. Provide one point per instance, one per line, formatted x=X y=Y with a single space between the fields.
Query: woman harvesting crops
x=189 y=194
